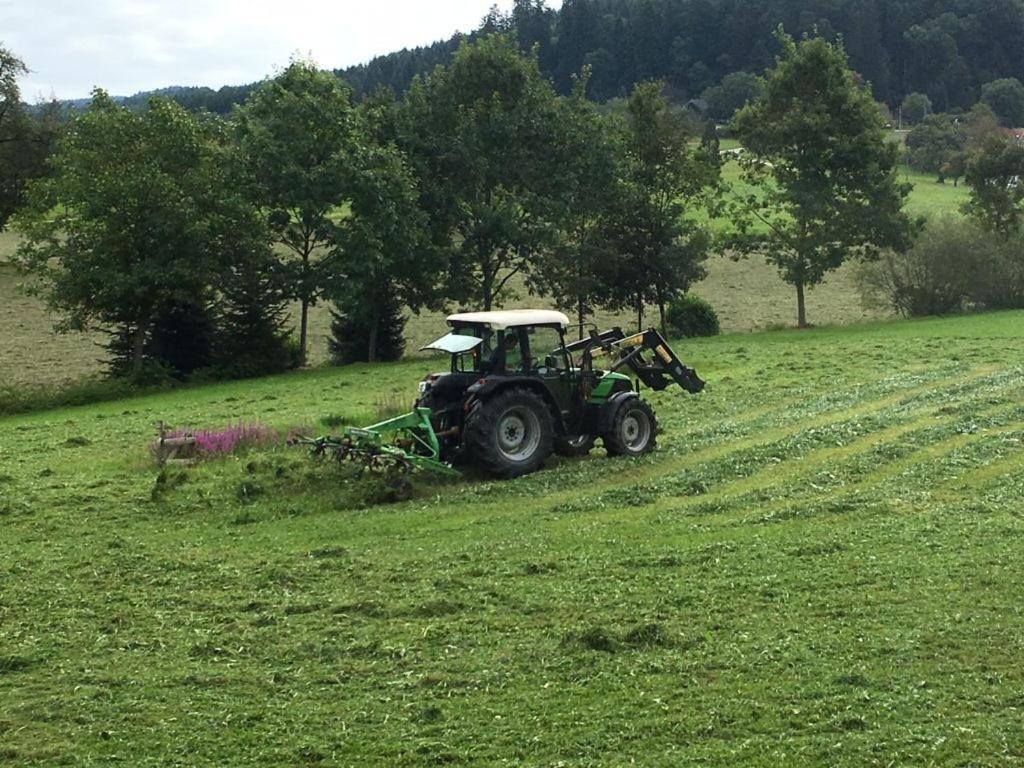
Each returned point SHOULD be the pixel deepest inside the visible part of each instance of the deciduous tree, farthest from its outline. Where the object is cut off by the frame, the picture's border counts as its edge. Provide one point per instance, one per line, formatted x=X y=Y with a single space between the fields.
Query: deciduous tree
x=300 y=137
x=483 y=136
x=656 y=226
x=994 y=174
x=137 y=216
x=825 y=171
x=1006 y=98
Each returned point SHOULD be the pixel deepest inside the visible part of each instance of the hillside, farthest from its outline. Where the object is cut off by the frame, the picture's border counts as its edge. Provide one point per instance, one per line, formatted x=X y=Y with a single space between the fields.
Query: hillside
x=947 y=51
x=820 y=565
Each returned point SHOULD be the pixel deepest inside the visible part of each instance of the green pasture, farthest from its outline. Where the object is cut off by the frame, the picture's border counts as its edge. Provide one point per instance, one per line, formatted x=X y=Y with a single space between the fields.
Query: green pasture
x=820 y=565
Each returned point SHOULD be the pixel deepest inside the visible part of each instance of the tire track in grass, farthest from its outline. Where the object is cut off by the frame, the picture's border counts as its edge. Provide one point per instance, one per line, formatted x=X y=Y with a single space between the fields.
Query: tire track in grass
x=556 y=501
x=889 y=467
x=936 y=453
x=876 y=498
x=738 y=493
x=530 y=500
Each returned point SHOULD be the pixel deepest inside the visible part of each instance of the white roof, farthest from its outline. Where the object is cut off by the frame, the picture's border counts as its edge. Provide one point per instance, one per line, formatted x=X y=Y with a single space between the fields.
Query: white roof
x=511 y=318
x=453 y=344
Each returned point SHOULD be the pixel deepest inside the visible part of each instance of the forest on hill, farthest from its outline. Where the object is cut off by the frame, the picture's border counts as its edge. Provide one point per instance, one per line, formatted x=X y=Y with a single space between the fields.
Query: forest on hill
x=946 y=49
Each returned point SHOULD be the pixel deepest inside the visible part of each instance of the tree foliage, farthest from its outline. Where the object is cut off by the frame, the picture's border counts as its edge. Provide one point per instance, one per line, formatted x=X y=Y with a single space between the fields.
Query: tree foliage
x=1006 y=98
x=735 y=91
x=824 y=168
x=578 y=268
x=134 y=225
x=485 y=137
x=660 y=243
x=955 y=265
x=301 y=140
x=914 y=108
x=140 y=212
x=944 y=51
x=995 y=174
x=26 y=137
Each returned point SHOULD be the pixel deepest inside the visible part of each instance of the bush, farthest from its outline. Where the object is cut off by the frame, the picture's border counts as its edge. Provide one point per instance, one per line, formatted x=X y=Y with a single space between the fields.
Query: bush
x=691 y=316
x=955 y=266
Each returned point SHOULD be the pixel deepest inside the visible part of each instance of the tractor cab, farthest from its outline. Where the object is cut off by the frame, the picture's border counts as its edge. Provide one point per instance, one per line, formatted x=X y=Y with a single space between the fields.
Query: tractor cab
x=512 y=342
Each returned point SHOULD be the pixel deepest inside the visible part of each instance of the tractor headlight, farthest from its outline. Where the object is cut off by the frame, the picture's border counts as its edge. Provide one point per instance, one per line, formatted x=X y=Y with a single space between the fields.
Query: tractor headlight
x=424 y=386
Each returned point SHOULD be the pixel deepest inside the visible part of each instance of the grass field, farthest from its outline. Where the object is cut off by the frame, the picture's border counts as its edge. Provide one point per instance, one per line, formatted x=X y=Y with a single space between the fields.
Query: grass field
x=819 y=566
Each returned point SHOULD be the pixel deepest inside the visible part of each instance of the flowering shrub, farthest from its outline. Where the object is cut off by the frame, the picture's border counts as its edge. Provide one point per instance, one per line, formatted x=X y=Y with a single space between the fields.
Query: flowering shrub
x=221 y=442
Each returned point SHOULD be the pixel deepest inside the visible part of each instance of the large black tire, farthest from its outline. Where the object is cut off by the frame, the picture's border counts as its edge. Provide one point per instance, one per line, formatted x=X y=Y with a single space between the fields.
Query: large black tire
x=634 y=429
x=510 y=434
x=574 y=445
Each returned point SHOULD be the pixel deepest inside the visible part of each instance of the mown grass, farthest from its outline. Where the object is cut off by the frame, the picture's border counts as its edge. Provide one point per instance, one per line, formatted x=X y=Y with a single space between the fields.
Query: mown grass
x=819 y=566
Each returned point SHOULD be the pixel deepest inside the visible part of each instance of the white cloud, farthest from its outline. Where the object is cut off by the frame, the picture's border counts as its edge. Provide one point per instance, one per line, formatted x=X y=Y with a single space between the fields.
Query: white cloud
x=127 y=46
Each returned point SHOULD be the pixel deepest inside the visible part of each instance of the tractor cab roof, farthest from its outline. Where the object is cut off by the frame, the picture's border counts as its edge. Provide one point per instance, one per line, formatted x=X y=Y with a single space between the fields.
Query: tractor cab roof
x=510 y=318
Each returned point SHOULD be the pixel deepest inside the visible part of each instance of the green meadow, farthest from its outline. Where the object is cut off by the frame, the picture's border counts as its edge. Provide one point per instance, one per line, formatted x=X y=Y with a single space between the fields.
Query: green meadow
x=820 y=565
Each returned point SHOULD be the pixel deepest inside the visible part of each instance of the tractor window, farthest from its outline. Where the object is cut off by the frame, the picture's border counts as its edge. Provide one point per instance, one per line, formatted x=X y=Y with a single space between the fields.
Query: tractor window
x=546 y=350
x=514 y=356
x=472 y=362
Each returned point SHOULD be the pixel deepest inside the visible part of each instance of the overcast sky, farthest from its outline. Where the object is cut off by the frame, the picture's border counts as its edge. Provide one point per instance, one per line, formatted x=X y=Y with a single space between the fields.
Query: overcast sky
x=126 y=46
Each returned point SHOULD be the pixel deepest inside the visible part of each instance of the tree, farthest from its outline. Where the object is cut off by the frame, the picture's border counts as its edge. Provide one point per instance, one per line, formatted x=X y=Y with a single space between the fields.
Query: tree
x=299 y=135
x=251 y=336
x=26 y=139
x=979 y=124
x=353 y=327
x=576 y=269
x=994 y=174
x=734 y=92
x=1006 y=98
x=915 y=107
x=484 y=139
x=136 y=218
x=661 y=244
x=932 y=142
x=825 y=171
x=383 y=255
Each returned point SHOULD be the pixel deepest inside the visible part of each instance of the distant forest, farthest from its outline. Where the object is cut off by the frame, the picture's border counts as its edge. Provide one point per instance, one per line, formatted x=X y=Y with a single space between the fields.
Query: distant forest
x=946 y=49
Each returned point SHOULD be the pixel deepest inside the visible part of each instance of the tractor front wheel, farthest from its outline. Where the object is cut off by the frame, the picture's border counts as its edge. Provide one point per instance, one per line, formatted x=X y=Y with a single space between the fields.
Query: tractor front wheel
x=510 y=434
x=634 y=430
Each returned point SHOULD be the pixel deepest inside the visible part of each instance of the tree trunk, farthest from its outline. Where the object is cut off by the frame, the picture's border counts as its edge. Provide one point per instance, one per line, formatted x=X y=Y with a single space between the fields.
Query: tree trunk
x=580 y=314
x=138 y=347
x=801 y=308
x=639 y=313
x=661 y=312
x=303 y=331
x=487 y=285
x=371 y=354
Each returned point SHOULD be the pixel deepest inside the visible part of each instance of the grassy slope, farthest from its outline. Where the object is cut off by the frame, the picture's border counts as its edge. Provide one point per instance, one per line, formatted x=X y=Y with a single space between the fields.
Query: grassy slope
x=820 y=565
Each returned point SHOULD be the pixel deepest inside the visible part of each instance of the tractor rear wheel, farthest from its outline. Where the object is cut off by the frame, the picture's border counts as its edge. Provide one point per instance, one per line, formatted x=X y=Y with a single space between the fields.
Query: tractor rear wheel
x=634 y=430
x=510 y=434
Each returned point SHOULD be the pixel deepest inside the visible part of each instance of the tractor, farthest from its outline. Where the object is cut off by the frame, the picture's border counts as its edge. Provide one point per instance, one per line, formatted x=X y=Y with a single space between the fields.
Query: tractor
x=516 y=391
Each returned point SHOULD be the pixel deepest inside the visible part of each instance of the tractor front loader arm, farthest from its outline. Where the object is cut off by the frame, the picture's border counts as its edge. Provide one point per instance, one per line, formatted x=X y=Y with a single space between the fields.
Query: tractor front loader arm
x=648 y=355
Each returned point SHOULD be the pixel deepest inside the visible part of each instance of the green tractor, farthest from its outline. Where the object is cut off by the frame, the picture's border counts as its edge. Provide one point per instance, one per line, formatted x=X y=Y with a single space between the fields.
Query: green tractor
x=516 y=392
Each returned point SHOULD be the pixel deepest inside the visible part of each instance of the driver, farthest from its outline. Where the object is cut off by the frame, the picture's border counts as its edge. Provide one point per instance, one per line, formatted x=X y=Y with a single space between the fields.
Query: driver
x=500 y=356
